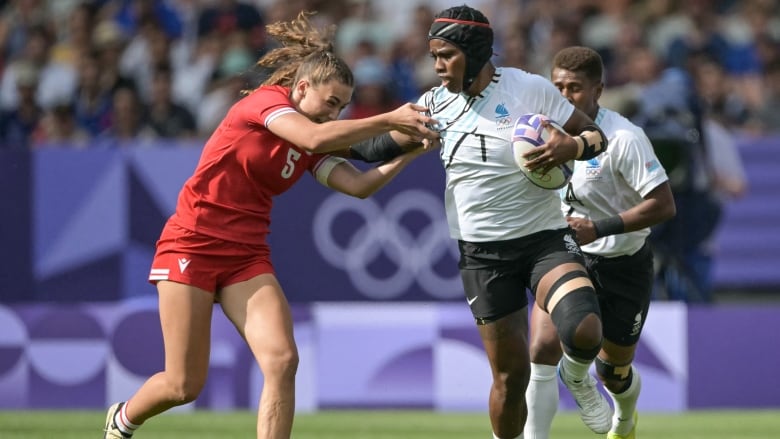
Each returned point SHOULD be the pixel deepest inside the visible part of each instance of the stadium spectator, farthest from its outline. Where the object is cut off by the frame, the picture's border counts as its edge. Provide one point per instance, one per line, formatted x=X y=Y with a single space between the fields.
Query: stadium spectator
x=720 y=96
x=723 y=169
x=703 y=33
x=74 y=34
x=228 y=16
x=59 y=128
x=611 y=216
x=131 y=15
x=109 y=44
x=18 y=19
x=168 y=119
x=146 y=50
x=514 y=50
x=362 y=24
x=224 y=89
x=194 y=68
x=510 y=233
x=671 y=112
x=410 y=60
x=264 y=145
x=602 y=28
x=767 y=115
x=373 y=92
x=18 y=123
x=56 y=80
x=92 y=101
x=129 y=125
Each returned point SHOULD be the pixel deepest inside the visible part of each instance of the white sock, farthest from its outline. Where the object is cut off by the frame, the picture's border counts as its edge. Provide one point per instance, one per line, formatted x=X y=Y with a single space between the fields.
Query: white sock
x=123 y=422
x=516 y=437
x=542 y=399
x=573 y=370
x=625 y=405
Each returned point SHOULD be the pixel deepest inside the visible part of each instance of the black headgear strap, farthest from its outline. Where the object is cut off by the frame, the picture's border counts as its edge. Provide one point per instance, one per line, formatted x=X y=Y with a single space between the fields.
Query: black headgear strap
x=474 y=38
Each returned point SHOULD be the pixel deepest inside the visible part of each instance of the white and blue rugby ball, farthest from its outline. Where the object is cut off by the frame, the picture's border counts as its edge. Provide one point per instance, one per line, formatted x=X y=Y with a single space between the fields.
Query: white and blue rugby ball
x=528 y=134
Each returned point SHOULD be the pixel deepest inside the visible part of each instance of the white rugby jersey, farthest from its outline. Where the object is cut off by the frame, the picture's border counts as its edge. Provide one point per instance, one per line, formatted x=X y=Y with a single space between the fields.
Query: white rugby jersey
x=487 y=197
x=613 y=182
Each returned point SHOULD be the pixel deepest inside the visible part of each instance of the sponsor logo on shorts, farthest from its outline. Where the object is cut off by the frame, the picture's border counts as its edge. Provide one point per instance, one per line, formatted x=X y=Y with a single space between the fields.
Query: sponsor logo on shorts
x=637 y=324
x=571 y=244
x=183 y=264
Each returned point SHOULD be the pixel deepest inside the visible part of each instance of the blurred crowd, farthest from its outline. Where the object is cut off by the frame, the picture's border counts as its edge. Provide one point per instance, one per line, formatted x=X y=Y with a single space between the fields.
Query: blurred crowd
x=692 y=73
x=86 y=73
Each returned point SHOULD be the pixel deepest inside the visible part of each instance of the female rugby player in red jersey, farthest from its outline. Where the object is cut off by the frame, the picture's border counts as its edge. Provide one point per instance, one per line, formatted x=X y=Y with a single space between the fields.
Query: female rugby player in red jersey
x=214 y=248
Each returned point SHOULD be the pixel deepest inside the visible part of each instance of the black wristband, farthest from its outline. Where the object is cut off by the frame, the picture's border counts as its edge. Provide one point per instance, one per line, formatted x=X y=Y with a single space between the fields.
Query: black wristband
x=594 y=142
x=609 y=226
x=376 y=149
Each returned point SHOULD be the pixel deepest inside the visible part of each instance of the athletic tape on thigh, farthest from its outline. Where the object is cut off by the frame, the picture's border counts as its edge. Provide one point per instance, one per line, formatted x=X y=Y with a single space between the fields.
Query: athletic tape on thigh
x=558 y=283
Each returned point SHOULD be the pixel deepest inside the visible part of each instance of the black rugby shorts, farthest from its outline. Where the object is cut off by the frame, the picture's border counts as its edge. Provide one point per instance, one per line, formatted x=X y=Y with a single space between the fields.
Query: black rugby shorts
x=496 y=274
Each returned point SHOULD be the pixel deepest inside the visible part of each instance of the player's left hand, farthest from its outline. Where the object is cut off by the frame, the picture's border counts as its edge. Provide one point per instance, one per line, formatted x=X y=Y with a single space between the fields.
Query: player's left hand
x=559 y=149
x=583 y=227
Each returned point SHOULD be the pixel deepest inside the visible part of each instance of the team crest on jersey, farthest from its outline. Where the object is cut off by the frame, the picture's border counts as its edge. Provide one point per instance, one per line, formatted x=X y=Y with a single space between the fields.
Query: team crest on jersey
x=503 y=119
x=593 y=169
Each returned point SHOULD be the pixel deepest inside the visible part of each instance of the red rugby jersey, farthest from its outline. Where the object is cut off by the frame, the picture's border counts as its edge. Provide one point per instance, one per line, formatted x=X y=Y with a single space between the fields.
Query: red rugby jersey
x=243 y=165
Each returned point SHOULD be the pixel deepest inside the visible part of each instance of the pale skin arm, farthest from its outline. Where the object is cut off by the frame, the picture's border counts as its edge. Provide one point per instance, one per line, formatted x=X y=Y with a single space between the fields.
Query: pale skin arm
x=339 y=134
x=658 y=206
x=347 y=179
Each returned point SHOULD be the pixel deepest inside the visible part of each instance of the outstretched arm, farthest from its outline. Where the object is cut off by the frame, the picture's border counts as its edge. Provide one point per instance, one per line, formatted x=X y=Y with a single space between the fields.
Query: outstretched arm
x=382 y=148
x=296 y=128
x=346 y=178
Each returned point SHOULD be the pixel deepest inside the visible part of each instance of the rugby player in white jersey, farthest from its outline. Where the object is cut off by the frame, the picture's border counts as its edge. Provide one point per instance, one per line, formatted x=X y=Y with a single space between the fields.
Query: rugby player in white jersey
x=611 y=202
x=511 y=233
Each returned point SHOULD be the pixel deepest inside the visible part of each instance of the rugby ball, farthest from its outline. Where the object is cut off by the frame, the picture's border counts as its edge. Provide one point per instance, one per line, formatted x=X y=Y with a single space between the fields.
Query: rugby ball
x=528 y=134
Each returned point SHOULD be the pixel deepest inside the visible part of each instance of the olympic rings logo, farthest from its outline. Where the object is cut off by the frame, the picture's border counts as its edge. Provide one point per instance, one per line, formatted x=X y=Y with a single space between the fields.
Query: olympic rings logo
x=414 y=255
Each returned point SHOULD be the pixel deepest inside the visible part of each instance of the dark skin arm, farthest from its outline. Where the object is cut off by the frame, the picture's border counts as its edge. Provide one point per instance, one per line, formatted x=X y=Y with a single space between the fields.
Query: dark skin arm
x=658 y=206
x=407 y=143
x=560 y=147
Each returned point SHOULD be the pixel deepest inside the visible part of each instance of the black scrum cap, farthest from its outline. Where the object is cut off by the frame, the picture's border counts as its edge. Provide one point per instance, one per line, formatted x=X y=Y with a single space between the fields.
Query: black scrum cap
x=474 y=38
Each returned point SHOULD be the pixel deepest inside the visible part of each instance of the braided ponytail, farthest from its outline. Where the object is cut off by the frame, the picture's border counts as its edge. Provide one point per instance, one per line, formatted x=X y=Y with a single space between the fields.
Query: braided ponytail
x=306 y=52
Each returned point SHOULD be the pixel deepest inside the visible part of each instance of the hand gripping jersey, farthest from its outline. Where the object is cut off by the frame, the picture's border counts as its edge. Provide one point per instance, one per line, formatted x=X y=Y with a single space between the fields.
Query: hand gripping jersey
x=613 y=182
x=487 y=197
x=243 y=165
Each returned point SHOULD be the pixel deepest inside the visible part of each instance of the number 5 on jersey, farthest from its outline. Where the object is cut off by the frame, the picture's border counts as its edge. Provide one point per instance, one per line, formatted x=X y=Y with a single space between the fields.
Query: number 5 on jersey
x=289 y=167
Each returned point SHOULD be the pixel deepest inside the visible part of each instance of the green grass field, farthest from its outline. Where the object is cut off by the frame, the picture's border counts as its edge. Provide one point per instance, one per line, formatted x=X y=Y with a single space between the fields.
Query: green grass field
x=381 y=425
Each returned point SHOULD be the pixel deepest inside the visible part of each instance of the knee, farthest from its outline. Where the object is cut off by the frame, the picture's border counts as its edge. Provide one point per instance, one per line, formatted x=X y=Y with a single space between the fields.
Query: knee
x=545 y=351
x=588 y=334
x=185 y=389
x=280 y=364
x=578 y=320
x=512 y=384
